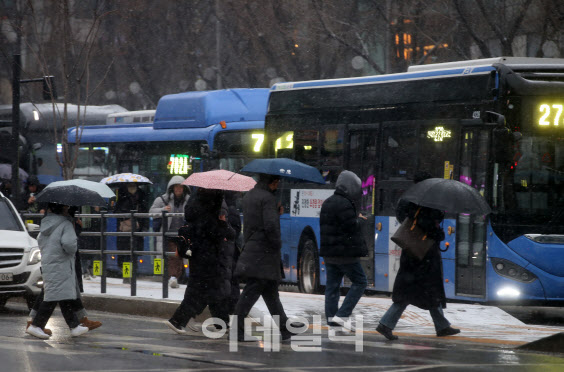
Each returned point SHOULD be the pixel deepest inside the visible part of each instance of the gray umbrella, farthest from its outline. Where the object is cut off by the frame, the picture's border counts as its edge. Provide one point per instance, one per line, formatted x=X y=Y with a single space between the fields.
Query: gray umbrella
x=76 y=192
x=447 y=195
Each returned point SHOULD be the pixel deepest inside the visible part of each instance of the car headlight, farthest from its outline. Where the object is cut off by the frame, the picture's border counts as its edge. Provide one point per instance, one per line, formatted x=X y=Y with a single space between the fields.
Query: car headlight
x=34 y=256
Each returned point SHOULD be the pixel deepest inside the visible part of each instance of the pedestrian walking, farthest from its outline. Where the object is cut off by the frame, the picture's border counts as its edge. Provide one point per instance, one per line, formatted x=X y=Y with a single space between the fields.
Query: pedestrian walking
x=260 y=262
x=80 y=311
x=342 y=245
x=233 y=250
x=207 y=229
x=58 y=245
x=419 y=282
x=130 y=197
x=173 y=201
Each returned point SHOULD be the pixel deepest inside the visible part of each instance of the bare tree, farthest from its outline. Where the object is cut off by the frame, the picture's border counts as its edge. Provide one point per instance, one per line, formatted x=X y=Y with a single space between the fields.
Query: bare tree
x=62 y=28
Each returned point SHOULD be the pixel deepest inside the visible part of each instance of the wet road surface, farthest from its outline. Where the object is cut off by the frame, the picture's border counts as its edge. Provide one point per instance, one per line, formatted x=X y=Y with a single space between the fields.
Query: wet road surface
x=131 y=343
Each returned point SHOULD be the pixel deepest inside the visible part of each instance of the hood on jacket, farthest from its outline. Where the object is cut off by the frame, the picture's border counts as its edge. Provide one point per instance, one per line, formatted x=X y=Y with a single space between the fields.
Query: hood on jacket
x=349 y=185
x=176 y=180
x=50 y=222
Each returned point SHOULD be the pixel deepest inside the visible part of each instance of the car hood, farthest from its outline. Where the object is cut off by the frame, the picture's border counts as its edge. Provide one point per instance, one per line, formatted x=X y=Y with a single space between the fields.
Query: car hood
x=545 y=256
x=16 y=239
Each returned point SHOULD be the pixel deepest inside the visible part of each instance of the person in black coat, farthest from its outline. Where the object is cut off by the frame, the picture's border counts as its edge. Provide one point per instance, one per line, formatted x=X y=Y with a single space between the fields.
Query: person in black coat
x=342 y=245
x=260 y=262
x=207 y=286
x=130 y=197
x=233 y=248
x=419 y=282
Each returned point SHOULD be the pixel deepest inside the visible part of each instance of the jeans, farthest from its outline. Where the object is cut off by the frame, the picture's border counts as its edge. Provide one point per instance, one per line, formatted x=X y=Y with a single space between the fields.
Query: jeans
x=335 y=273
x=392 y=316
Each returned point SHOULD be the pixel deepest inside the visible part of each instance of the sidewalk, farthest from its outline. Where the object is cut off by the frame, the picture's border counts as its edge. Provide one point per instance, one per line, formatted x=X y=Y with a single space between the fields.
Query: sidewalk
x=478 y=323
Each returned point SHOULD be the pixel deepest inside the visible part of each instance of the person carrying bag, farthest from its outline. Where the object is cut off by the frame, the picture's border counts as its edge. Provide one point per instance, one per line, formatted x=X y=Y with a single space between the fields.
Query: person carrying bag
x=412 y=238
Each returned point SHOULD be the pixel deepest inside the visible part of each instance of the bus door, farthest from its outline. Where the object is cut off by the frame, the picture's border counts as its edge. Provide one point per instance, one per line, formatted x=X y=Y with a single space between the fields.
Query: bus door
x=362 y=160
x=471 y=229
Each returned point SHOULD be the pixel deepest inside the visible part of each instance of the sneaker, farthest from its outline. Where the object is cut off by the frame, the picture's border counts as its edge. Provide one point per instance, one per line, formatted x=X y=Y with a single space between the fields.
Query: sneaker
x=78 y=330
x=345 y=323
x=90 y=324
x=46 y=330
x=87 y=277
x=194 y=326
x=448 y=331
x=386 y=332
x=178 y=329
x=37 y=332
x=173 y=282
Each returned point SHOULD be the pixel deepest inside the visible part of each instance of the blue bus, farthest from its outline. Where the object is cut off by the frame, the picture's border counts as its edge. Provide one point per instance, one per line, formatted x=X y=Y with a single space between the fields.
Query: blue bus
x=191 y=132
x=496 y=124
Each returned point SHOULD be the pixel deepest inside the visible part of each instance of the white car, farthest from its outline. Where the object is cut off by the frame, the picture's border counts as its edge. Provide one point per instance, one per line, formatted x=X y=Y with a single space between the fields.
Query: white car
x=20 y=258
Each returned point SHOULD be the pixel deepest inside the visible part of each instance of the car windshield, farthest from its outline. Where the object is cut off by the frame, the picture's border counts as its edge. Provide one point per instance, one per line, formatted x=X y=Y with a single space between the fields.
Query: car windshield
x=8 y=220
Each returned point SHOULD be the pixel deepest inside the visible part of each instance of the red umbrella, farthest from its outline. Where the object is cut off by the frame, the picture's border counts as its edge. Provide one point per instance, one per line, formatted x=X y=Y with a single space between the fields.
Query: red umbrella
x=220 y=180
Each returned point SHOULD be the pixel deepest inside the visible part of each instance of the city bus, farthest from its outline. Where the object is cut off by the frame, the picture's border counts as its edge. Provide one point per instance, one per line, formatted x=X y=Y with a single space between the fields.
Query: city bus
x=495 y=124
x=191 y=132
x=38 y=122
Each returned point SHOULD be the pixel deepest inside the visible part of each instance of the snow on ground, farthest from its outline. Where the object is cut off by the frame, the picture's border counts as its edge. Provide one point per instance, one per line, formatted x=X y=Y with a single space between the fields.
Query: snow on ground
x=481 y=323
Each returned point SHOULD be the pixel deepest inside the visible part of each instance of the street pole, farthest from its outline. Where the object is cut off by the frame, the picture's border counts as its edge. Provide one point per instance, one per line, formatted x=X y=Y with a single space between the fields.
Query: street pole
x=16 y=71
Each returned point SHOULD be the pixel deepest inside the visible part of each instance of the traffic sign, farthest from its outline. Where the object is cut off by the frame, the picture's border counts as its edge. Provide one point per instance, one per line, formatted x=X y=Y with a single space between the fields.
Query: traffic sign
x=127 y=269
x=158 y=266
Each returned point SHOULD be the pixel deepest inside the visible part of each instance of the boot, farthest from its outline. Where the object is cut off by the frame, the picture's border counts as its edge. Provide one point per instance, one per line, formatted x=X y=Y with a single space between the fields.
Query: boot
x=90 y=324
x=386 y=332
x=47 y=331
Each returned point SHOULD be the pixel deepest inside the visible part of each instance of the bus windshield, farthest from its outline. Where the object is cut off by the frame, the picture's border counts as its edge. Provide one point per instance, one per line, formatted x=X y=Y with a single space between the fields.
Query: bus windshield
x=236 y=148
x=158 y=161
x=530 y=189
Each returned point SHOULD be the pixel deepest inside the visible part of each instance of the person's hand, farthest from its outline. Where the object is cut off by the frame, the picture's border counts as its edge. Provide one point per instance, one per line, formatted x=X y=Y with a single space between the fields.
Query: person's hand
x=361 y=216
x=168 y=208
x=222 y=217
x=31 y=200
x=79 y=222
x=280 y=209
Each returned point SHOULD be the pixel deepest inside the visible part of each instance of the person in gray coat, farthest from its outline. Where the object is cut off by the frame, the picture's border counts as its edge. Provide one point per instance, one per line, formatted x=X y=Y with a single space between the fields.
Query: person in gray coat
x=173 y=201
x=260 y=262
x=58 y=244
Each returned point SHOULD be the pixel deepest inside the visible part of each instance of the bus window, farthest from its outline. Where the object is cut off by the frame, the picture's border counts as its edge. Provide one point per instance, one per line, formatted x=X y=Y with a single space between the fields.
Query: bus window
x=363 y=162
x=400 y=153
x=331 y=153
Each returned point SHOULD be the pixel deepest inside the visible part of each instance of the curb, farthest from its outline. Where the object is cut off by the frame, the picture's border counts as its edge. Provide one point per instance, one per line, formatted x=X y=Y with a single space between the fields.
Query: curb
x=158 y=308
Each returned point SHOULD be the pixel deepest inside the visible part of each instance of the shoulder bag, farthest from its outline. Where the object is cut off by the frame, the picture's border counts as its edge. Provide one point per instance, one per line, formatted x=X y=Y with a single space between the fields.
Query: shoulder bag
x=410 y=237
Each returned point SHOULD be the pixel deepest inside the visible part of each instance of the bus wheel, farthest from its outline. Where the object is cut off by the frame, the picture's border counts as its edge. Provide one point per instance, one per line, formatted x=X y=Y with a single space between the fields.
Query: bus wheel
x=308 y=279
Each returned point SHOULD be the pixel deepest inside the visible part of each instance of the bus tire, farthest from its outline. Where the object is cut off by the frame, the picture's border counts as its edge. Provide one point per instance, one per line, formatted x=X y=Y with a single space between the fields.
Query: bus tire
x=308 y=275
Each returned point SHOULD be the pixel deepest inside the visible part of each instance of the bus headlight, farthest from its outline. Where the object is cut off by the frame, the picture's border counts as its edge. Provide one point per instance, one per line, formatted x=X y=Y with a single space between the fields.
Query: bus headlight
x=508 y=292
x=34 y=256
x=513 y=271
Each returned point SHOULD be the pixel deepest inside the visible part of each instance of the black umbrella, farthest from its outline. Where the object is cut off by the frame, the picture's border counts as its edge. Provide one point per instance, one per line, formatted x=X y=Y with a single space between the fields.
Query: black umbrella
x=75 y=192
x=447 y=195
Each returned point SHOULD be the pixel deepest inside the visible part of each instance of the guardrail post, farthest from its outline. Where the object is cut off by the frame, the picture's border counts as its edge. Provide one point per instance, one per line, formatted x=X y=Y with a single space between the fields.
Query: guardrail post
x=133 y=258
x=103 y=250
x=164 y=246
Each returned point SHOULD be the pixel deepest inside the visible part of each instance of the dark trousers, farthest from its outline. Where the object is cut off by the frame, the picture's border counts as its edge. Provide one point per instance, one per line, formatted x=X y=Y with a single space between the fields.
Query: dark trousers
x=196 y=297
x=46 y=308
x=77 y=304
x=255 y=288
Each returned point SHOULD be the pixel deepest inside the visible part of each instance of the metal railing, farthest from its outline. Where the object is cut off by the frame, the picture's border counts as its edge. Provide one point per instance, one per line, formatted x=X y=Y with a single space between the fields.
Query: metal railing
x=103 y=252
